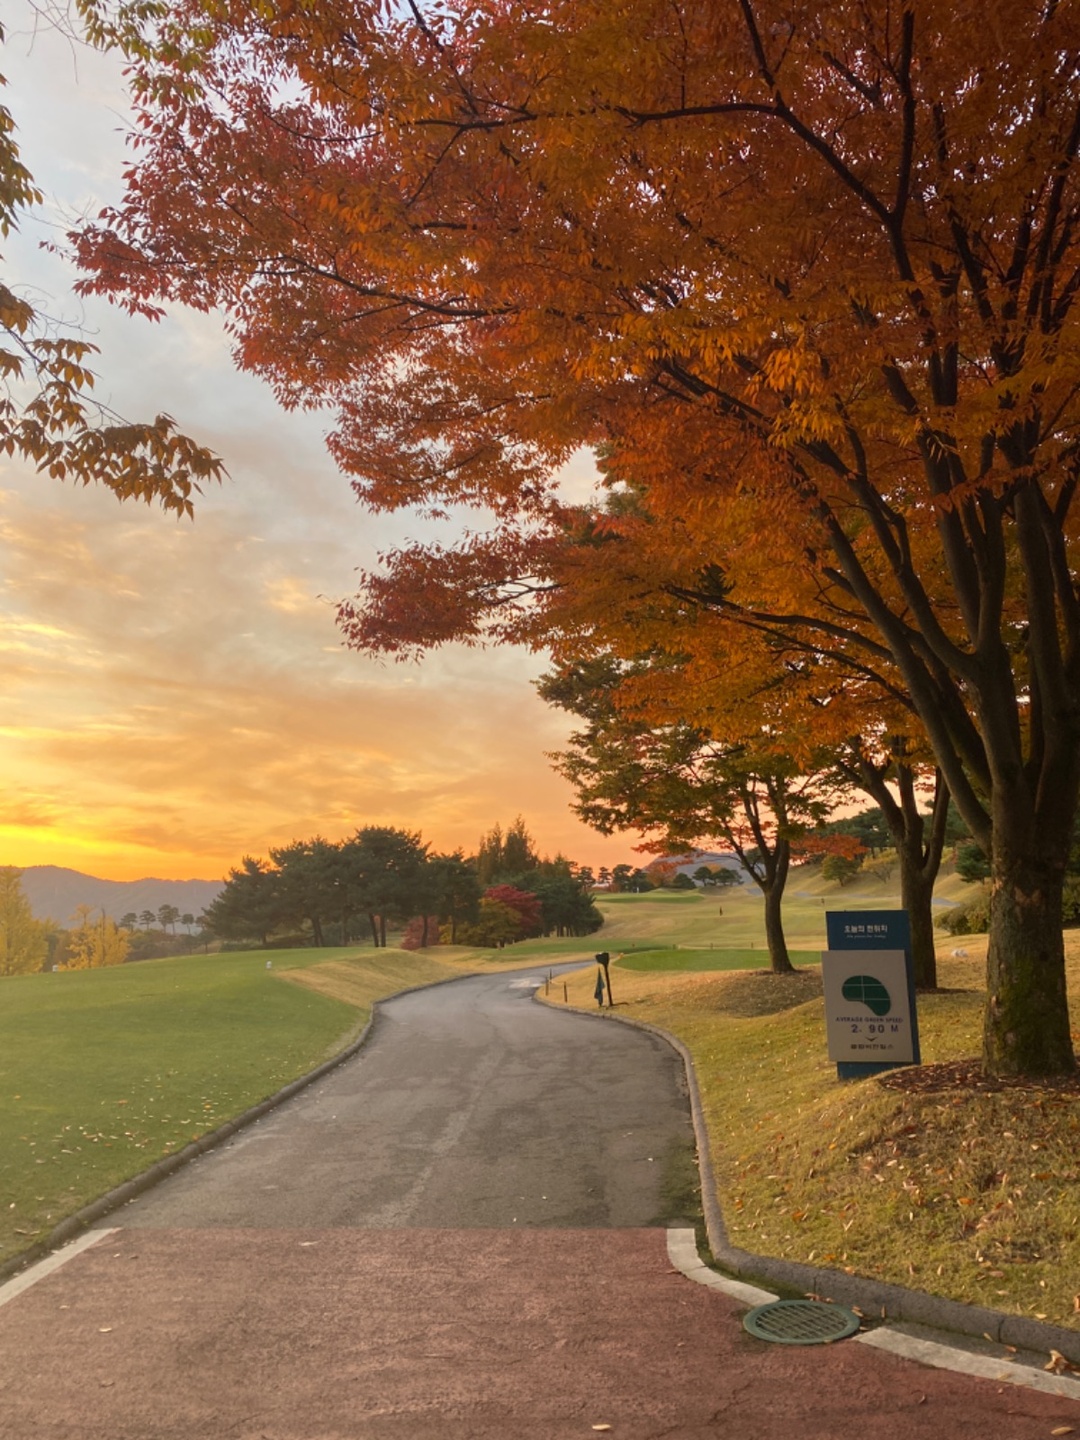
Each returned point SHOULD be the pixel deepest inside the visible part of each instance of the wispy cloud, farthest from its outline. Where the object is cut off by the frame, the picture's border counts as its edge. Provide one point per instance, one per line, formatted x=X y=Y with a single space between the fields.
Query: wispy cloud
x=176 y=694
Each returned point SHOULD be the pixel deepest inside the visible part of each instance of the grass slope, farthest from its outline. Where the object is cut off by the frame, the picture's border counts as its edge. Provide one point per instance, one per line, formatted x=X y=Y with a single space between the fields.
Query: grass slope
x=102 y=1072
x=963 y=1193
x=709 y=959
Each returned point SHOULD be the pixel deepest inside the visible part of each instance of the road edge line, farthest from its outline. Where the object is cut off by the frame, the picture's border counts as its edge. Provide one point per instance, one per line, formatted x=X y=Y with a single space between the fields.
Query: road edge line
x=22 y=1282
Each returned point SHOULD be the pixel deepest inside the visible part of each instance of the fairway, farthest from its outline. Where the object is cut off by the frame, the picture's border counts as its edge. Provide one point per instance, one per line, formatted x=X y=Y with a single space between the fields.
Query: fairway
x=102 y=1072
x=710 y=959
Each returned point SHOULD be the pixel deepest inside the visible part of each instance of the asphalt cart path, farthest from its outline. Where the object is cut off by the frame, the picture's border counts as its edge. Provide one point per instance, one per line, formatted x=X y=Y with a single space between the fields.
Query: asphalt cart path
x=455 y=1235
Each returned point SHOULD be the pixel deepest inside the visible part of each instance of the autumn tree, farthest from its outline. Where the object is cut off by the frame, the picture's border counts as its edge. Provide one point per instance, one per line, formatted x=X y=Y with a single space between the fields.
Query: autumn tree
x=525 y=905
x=496 y=924
x=94 y=942
x=804 y=272
x=23 y=940
x=679 y=785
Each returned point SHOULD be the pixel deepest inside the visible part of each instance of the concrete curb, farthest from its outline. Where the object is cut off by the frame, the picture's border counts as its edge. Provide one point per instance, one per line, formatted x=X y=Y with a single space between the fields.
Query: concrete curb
x=875 y=1298
x=120 y=1194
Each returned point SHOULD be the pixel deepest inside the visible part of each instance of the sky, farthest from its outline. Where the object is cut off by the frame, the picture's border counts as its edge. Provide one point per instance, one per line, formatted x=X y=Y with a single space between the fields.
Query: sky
x=175 y=694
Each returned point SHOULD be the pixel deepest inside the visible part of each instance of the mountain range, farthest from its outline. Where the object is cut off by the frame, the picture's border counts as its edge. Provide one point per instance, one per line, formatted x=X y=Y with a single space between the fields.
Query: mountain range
x=54 y=892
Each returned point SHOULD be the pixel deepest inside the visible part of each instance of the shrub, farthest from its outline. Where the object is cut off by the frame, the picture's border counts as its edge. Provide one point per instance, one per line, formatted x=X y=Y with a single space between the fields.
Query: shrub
x=971 y=862
x=971 y=917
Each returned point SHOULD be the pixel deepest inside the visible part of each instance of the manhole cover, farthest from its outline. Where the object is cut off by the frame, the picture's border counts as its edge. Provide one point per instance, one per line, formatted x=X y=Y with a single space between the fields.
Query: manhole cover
x=800 y=1322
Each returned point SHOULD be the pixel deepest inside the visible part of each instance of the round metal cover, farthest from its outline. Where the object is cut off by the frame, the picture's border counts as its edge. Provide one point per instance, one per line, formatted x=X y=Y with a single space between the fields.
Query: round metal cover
x=800 y=1322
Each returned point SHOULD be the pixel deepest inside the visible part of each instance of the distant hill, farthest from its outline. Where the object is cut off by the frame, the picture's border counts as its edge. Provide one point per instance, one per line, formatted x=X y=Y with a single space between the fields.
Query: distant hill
x=54 y=892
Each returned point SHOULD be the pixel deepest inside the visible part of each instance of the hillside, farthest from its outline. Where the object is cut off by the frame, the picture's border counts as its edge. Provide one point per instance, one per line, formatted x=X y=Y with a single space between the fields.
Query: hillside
x=54 y=892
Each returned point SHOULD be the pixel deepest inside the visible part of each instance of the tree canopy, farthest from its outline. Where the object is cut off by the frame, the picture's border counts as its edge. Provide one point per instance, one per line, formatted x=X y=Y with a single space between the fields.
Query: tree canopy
x=806 y=275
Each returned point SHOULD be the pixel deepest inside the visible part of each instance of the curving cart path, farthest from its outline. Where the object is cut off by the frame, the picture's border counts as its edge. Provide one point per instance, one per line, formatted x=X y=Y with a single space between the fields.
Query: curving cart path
x=457 y=1234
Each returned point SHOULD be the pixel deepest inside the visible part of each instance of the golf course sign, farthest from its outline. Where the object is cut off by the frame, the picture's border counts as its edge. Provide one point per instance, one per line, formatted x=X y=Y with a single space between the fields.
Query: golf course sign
x=870 y=1017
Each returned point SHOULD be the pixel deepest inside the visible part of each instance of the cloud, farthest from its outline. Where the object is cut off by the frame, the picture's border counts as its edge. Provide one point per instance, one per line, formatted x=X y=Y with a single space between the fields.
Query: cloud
x=176 y=694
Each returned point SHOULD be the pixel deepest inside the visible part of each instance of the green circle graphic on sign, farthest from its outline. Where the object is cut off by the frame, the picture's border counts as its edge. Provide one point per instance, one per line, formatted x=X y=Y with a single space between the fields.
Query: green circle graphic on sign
x=869 y=991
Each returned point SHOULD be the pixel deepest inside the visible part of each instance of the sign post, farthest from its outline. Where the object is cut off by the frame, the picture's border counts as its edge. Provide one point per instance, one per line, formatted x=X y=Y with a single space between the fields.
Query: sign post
x=869 y=983
x=604 y=960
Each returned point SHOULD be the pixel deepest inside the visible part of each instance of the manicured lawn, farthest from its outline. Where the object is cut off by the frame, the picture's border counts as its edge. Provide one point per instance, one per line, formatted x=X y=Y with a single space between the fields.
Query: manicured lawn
x=102 y=1072
x=755 y=958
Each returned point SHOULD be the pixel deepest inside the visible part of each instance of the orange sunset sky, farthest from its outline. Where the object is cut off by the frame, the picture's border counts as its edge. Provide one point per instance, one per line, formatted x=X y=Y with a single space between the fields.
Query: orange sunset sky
x=175 y=694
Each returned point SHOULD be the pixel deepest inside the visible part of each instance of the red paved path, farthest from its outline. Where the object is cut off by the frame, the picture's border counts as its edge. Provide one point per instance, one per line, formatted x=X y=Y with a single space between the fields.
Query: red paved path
x=417 y=1334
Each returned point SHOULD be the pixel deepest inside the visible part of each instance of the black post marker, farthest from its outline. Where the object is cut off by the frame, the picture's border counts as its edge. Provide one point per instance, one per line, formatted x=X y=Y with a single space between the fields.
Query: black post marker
x=604 y=960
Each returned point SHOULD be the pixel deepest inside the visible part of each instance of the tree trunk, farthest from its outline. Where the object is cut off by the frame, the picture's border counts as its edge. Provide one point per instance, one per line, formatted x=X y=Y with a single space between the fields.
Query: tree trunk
x=382 y=931
x=779 y=958
x=423 y=932
x=374 y=929
x=1026 y=1025
x=916 y=896
x=918 y=844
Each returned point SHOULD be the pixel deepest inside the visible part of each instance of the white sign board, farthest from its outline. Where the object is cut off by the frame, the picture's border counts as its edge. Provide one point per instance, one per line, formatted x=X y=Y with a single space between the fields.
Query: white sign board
x=867 y=1009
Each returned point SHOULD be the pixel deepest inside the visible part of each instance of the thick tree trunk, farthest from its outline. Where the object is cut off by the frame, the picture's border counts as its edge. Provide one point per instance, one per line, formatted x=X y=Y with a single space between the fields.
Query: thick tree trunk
x=1026 y=1024
x=779 y=958
x=423 y=932
x=382 y=931
x=374 y=929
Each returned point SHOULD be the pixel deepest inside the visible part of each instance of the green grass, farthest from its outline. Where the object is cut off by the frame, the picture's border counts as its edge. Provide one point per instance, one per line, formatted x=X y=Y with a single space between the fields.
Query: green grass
x=102 y=1072
x=734 y=918
x=710 y=959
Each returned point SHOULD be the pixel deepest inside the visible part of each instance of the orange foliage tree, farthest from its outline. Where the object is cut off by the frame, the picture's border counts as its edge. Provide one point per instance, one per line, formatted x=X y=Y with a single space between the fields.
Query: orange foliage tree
x=679 y=786
x=808 y=273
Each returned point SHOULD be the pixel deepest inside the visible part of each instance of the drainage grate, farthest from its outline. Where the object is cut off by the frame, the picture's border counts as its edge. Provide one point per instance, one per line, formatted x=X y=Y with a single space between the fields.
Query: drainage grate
x=800 y=1322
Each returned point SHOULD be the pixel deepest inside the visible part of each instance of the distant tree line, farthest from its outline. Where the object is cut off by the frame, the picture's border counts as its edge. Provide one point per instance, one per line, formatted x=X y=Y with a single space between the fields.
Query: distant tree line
x=384 y=880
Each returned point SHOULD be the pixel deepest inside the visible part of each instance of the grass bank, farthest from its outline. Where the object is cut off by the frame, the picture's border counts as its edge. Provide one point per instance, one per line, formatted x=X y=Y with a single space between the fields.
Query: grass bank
x=102 y=1072
x=968 y=1193
x=712 y=959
